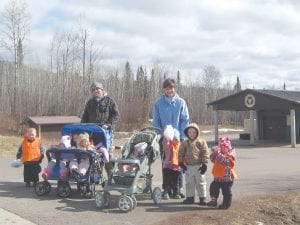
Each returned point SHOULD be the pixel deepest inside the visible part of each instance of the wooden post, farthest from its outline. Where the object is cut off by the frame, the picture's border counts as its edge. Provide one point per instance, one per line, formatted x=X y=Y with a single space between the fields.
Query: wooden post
x=216 y=122
x=40 y=131
x=251 y=127
x=293 y=128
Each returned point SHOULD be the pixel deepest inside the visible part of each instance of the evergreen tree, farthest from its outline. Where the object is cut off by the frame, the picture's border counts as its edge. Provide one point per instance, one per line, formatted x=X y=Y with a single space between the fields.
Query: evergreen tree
x=237 y=86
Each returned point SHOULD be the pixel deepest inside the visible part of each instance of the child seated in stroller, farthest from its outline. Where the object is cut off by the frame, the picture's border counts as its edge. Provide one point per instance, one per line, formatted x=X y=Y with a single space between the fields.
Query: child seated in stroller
x=65 y=142
x=79 y=169
x=138 y=152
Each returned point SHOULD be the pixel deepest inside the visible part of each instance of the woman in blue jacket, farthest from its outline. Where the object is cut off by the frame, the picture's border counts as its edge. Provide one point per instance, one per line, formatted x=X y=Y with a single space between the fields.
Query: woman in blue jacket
x=170 y=109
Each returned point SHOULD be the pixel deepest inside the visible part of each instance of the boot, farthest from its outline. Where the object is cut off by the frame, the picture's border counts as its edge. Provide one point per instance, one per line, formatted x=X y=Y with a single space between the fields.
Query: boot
x=189 y=200
x=226 y=202
x=202 y=201
x=213 y=202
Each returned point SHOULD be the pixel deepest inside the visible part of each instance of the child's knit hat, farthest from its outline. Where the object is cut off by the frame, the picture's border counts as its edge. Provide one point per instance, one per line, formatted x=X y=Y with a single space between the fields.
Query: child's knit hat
x=224 y=142
x=66 y=141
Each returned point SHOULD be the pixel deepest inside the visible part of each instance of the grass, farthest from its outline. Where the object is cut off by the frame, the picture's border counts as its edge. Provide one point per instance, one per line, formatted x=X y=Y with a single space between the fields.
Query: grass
x=9 y=144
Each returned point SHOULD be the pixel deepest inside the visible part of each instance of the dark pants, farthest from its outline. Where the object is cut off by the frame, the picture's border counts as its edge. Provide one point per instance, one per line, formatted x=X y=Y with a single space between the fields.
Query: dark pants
x=31 y=171
x=215 y=187
x=180 y=178
x=170 y=180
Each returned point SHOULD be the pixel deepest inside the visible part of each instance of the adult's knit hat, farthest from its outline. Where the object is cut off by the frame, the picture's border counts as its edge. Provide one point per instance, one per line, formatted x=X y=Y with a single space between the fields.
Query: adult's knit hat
x=95 y=85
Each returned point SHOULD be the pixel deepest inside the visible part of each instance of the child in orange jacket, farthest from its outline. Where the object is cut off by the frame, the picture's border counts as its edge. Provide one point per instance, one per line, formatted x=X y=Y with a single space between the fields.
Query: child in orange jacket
x=31 y=153
x=223 y=158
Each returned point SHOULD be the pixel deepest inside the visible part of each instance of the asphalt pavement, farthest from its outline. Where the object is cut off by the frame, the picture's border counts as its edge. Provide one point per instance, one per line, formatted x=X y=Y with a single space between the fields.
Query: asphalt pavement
x=264 y=169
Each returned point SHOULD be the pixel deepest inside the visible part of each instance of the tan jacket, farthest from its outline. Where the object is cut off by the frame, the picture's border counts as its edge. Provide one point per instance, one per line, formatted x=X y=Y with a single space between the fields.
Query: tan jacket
x=193 y=152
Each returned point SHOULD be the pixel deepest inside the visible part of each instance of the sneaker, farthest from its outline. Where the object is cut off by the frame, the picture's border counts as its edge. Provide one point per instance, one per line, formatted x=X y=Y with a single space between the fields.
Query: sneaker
x=177 y=196
x=212 y=203
x=165 y=196
x=181 y=195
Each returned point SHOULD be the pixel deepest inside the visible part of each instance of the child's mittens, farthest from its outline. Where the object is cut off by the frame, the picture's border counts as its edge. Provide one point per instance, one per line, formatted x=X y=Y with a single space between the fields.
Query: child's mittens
x=203 y=168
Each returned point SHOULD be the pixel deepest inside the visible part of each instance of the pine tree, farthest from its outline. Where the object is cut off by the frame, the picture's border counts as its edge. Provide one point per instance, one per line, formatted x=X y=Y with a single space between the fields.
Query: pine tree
x=237 y=86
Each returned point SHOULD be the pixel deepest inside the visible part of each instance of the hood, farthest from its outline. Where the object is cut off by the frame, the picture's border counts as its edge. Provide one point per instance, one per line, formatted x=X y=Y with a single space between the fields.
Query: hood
x=194 y=125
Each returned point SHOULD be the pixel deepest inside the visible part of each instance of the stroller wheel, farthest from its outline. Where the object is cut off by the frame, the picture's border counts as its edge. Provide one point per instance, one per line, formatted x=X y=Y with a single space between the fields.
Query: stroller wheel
x=48 y=187
x=156 y=195
x=63 y=189
x=99 y=200
x=106 y=196
x=102 y=199
x=125 y=203
x=134 y=201
x=42 y=188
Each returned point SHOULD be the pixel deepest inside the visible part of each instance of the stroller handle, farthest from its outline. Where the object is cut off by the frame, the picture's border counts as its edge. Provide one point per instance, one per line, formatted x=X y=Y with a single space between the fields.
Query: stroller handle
x=151 y=128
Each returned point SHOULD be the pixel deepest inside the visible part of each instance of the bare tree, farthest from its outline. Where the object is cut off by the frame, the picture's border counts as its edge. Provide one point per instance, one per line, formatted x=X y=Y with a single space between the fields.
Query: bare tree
x=15 y=27
x=211 y=81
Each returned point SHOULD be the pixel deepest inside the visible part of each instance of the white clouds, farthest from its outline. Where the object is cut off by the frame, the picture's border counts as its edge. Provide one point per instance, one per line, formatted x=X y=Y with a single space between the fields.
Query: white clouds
x=255 y=39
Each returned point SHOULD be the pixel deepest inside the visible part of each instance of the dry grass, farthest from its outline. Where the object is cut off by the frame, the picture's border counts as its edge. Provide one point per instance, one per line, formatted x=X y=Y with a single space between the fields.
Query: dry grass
x=9 y=144
x=274 y=210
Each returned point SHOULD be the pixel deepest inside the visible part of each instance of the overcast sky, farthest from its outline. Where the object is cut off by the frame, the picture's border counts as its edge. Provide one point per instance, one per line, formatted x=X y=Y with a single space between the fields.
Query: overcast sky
x=257 y=40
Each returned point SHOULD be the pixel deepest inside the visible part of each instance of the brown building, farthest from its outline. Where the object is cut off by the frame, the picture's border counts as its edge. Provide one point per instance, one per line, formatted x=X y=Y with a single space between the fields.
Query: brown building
x=50 y=124
x=277 y=113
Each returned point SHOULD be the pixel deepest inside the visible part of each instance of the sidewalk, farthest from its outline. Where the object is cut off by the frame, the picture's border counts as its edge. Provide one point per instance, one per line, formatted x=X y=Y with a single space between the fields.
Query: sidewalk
x=8 y=218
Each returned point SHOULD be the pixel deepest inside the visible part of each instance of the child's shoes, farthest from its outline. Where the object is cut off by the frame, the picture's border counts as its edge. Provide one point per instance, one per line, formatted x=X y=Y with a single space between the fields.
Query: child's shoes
x=202 y=201
x=212 y=203
x=189 y=200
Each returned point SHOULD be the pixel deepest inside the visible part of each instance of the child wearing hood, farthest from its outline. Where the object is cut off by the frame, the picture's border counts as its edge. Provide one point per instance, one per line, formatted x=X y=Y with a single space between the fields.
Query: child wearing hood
x=223 y=157
x=193 y=158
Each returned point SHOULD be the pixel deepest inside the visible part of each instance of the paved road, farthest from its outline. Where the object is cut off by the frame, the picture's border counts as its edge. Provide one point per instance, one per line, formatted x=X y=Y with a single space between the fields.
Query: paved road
x=263 y=169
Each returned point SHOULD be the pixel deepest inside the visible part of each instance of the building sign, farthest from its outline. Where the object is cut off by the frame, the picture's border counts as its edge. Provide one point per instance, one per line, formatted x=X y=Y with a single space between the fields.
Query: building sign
x=249 y=100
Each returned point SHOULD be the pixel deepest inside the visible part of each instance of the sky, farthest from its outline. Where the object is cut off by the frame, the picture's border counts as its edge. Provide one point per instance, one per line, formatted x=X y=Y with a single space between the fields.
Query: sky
x=257 y=40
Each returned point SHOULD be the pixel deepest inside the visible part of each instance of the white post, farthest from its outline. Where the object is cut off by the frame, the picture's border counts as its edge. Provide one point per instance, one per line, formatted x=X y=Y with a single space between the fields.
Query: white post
x=216 y=122
x=293 y=128
x=251 y=127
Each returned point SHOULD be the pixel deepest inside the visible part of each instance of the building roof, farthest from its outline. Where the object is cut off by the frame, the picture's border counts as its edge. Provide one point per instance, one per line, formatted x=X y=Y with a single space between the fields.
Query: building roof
x=264 y=99
x=44 y=120
x=293 y=96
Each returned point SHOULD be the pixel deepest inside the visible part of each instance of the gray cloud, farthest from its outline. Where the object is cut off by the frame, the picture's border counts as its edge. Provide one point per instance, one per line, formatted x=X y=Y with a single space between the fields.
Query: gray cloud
x=255 y=39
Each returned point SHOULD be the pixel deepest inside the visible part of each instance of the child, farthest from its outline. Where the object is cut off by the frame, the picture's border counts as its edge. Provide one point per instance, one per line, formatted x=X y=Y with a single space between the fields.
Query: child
x=138 y=151
x=171 y=169
x=65 y=142
x=31 y=154
x=193 y=157
x=223 y=158
x=79 y=169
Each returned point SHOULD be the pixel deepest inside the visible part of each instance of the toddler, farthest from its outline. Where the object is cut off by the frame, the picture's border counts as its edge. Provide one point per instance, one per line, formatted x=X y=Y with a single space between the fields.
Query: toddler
x=31 y=153
x=65 y=142
x=79 y=169
x=193 y=158
x=223 y=157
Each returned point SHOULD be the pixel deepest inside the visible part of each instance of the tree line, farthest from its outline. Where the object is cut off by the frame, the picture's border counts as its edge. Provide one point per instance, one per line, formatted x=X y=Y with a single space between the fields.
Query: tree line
x=62 y=88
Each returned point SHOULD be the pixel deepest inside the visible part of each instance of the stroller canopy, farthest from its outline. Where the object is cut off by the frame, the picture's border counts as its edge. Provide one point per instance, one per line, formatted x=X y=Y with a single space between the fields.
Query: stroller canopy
x=96 y=133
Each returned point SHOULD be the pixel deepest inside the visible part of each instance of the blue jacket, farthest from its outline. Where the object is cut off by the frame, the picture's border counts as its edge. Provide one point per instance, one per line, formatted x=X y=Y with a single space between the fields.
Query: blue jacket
x=171 y=111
